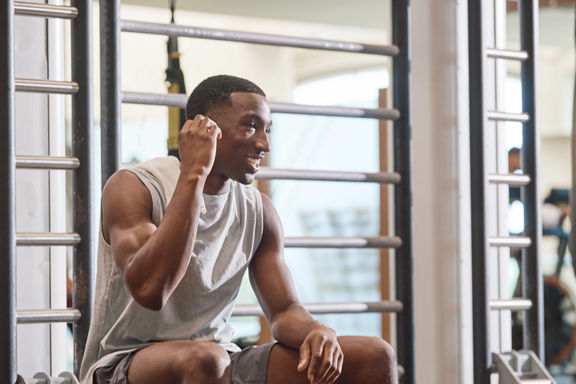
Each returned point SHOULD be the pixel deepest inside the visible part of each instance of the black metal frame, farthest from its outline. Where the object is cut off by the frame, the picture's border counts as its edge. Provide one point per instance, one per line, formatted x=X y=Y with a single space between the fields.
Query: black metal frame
x=110 y=88
x=7 y=198
x=482 y=358
x=531 y=273
x=83 y=185
x=403 y=190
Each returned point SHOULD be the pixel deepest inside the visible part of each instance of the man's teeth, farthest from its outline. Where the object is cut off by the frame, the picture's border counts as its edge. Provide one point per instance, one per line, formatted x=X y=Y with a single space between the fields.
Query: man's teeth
x=254 y=161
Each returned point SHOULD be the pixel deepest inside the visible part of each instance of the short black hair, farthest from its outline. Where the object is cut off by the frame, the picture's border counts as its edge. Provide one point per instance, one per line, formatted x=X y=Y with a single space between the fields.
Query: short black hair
x=216 y=90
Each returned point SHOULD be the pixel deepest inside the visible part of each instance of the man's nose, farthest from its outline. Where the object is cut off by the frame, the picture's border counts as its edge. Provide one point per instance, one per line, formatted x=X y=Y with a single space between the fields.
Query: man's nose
x=263 y=142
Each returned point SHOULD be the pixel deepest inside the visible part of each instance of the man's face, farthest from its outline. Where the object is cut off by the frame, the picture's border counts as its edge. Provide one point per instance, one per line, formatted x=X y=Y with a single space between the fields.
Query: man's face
x=245 y=126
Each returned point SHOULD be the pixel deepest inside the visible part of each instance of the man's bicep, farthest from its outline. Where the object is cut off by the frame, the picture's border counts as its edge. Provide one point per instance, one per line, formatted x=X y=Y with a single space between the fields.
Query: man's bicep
x=126 y=216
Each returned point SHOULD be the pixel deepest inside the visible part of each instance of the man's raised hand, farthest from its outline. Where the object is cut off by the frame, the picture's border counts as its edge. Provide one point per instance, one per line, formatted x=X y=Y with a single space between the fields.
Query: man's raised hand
x=197 y=145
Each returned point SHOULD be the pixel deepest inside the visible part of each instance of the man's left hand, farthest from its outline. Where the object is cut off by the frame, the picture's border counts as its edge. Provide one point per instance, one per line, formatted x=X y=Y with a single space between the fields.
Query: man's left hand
x=321 y=353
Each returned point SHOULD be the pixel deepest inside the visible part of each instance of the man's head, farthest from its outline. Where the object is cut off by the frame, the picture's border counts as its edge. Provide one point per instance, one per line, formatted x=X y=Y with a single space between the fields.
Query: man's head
x=215 y=91
x=241 y=110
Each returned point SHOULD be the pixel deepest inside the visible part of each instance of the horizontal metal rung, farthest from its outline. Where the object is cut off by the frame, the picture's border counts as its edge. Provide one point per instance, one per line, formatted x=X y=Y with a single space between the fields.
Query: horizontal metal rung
x=505 y=116
x=68 y=315
x=512 y=179
x=510 y=241
x=378 y=113
x=323 y=308
x=256 y=38
x=45 y=10
x=342 y=242
x=46 y=239
x=179 y=100
x=266 y=173
x=513 y=305
x=47 y=162
x=46 y=86
x=507 y=54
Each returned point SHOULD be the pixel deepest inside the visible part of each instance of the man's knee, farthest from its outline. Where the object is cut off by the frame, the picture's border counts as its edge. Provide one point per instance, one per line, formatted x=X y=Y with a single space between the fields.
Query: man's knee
x=381 y=354
x=206 y=360
x=381 y=350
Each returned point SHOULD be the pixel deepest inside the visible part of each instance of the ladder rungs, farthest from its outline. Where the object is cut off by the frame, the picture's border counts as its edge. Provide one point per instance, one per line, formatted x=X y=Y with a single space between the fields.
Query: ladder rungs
x=323 y=308
x=46 y=86
x=68 y=315
x=342 y=242
x=47 y=239
x=45 y=10
x=376 y=113
x=505 y=116
x=510 y=241
x=266 y=173
x=512 y=179
x=179 y=100
x=514 y=305
x=47 y=162
x=507 y=54
x=256 y=38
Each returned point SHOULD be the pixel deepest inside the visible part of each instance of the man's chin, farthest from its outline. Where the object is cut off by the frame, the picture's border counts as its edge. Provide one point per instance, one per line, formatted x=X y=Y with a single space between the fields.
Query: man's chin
x=246 y=179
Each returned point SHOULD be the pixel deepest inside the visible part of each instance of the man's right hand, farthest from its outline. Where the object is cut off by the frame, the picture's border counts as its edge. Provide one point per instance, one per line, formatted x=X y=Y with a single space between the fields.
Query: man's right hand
x=197 y=145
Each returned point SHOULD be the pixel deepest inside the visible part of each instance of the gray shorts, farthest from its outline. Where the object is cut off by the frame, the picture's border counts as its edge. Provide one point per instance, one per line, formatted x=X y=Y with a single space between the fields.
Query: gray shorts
x=248 y=367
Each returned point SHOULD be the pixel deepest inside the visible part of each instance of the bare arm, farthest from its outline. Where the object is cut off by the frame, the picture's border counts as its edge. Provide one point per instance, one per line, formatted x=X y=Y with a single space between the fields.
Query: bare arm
x=291 y=324
x=154 y=259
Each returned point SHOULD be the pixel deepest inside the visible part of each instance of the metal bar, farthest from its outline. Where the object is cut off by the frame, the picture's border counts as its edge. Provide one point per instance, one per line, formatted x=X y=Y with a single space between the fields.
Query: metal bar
x=531 y=273
x=47 y=239
x=343 y=242
x=179 y=100
x=68 y=315
x=256 y=38
x=266 y=173
x=7 y=198
x=45 y=10
x=46 y=86
x=376 y=113
x=512 y=179
x=110 y=85
x=478 y=184
x=505 y=116
x=47 y=162
x=323 y=308
x=403 y=190
x=510 y=241
x=82 y=180
x=514 y=305
x=506 y=54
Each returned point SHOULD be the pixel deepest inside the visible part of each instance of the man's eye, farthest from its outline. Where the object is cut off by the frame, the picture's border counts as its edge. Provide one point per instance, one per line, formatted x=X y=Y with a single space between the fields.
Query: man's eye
x=251 y=125
x=268 y=131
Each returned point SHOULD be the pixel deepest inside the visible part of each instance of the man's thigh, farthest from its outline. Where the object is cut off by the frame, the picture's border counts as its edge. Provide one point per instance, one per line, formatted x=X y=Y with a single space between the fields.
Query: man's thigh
x=365 y=358
x=178 y=361
x=165 y=363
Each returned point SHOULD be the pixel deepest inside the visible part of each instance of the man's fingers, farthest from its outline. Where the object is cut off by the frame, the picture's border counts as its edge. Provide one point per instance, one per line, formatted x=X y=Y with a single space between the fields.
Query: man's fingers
x=316 y=362
x=304 y=357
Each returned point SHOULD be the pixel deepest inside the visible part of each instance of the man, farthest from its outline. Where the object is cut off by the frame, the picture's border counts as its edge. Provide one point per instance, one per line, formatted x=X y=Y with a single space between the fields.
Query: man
x=175 y=240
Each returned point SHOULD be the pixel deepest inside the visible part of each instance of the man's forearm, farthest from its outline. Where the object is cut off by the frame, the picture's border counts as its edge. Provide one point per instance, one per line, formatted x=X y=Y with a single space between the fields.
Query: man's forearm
x=157 y=268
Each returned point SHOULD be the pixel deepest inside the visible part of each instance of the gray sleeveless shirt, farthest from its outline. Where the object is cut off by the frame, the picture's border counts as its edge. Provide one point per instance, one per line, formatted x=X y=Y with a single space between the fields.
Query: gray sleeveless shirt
x=229 y=232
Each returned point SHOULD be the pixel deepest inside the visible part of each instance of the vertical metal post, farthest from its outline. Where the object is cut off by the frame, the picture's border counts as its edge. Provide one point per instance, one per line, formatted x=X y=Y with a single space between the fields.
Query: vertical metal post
x=403 y=190
x=82 y=143
x=7 y=198
x=481 y=339
x=110 y=99
x=532 y=273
